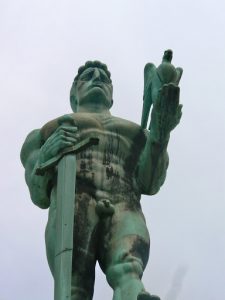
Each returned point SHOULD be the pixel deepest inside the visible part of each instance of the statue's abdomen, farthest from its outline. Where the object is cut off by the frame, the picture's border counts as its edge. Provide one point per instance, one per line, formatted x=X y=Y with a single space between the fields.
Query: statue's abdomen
x=103 y=169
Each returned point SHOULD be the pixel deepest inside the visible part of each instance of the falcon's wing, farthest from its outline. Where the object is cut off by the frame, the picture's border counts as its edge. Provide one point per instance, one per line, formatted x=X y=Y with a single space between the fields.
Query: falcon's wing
x=179 y=74
x=149 y=73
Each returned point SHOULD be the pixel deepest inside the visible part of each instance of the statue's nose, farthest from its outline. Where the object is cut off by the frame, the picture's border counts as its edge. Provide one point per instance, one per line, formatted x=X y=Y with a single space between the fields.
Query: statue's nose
x=96 y=75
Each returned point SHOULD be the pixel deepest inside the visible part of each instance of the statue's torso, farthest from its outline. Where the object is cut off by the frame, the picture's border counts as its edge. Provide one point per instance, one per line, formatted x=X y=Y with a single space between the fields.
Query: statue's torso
x=108 y=169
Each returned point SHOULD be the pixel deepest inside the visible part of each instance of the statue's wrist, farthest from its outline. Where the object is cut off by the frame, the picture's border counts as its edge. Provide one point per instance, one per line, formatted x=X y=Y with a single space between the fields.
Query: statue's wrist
x=48 y=173
x=159 y=137
x=43 y=157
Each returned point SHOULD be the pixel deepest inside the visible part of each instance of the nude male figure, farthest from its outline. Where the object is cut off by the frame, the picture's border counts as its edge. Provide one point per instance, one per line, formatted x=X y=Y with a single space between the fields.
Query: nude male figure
x=129 y=161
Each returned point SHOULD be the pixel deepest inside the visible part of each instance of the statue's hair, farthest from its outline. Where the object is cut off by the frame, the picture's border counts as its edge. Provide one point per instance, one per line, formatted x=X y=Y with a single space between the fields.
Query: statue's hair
x=88 y=64
x=92 y=64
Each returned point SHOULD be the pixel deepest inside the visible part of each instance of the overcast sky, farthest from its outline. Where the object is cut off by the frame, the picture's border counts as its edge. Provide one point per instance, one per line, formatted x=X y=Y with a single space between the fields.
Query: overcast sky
x=42 y=45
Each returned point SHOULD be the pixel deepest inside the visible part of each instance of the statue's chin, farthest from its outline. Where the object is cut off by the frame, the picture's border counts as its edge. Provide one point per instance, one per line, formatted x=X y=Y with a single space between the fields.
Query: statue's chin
x=96 y=90
x=96 y=96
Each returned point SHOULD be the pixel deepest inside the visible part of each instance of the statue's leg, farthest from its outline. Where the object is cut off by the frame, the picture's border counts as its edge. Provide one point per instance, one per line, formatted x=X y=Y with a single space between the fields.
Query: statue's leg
x=84 y=251
x=84 y=257
x=83 y=276
x=125 y=253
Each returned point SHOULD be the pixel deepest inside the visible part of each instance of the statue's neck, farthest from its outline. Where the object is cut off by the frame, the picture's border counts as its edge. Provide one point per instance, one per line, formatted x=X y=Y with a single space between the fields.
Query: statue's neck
x=101 y=109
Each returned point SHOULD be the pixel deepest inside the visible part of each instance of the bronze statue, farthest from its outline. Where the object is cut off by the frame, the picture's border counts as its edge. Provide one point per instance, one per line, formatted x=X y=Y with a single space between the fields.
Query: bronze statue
x=116 y=161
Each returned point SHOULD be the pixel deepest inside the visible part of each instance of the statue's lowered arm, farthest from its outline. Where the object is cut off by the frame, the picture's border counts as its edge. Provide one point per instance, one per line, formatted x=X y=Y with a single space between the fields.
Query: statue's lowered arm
x=36 y=151
x=38 y=185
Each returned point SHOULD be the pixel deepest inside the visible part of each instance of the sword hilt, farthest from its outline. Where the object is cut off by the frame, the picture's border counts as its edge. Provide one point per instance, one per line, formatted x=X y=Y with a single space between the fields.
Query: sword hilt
x=42 y=168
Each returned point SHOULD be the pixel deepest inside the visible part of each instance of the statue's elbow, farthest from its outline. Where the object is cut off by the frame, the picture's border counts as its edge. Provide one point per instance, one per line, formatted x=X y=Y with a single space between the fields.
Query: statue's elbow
x=41 y=203
x=154 y=186
x=40 y=200
x=151 y=190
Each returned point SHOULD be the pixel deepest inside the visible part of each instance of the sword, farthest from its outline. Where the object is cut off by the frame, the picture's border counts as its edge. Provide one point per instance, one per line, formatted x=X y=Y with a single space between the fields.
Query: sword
x=65 y=208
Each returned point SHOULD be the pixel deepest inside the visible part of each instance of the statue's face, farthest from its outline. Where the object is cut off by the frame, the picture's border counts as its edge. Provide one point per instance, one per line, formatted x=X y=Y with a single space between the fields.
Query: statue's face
x=94 y=87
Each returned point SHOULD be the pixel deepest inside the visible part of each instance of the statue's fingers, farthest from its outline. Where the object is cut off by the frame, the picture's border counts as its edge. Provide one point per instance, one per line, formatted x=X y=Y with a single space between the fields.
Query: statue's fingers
x=64 y=132
x=179 y=111
x=60 y=145
x=160 y=98
x=71 y=139
x=173 y=98
x=168 y=98
x=66 y=120
x=54 y=143
x=62 y=138
x=167 y=91
x=163 y=98
x=74 y=134
x=173 y=92
x=71 y=129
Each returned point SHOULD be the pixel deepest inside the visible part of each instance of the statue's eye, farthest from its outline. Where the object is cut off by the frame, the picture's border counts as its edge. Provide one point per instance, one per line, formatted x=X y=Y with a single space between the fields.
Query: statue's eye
x=105 y=78
x=87 y=75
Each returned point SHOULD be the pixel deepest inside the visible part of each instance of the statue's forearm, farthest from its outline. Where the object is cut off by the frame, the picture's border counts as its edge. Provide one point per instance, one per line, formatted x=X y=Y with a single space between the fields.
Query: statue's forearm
x=165 y=116
x=153 y=165
x=39 y=186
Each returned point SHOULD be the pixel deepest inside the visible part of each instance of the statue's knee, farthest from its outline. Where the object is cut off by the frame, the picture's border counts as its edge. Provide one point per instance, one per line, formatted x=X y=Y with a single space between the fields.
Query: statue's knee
x=127 y=266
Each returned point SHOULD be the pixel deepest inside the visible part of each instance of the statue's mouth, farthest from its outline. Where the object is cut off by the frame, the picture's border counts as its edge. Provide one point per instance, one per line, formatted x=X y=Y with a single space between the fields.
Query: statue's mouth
x=97 y=84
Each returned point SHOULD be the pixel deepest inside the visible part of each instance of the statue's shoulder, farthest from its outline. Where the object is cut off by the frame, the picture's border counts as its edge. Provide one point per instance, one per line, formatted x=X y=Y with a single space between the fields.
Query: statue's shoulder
x=81 y=120
x=32 y=142
x=130 y=130
x=126 y=123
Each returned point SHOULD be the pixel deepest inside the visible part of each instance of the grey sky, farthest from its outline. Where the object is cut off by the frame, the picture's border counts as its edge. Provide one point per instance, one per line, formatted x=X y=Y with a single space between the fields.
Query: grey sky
x=42 y=45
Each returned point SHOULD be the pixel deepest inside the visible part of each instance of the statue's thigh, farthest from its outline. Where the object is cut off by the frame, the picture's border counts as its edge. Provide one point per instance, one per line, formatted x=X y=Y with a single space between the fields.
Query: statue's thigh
x=125 y=239
x=84 y=235
x=85 y=239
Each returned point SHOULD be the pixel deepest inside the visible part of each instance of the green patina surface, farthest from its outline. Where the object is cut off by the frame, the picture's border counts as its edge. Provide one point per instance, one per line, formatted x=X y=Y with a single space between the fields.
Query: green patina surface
x=101 y=219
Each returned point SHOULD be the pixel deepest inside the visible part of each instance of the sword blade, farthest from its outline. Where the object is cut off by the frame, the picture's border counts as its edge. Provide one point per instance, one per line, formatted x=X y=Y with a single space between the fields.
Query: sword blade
x=65 y=208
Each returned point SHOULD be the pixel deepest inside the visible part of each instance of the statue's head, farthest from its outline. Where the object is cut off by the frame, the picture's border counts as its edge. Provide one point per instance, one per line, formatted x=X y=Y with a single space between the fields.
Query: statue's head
x=92 y=85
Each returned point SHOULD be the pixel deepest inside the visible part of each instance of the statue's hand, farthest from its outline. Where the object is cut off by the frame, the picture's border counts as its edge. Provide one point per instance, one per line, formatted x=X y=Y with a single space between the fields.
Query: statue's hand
x=62 y=138
x=166 y=113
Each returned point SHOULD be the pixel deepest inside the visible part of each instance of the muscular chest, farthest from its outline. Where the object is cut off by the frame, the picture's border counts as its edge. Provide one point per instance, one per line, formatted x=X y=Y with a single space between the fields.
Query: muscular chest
x=120 y=141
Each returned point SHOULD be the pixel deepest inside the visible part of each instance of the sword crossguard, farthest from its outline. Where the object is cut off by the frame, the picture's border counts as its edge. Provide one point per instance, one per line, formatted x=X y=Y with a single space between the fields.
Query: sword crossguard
x=42 y=168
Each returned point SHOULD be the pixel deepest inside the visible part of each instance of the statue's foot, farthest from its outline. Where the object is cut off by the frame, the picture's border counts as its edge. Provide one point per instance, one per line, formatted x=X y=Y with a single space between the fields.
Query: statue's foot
x=147 y=296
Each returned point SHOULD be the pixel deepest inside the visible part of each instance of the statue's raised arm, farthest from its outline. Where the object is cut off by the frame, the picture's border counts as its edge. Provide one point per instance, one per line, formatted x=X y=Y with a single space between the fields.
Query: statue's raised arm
x=155 y=79
x=160 y=90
